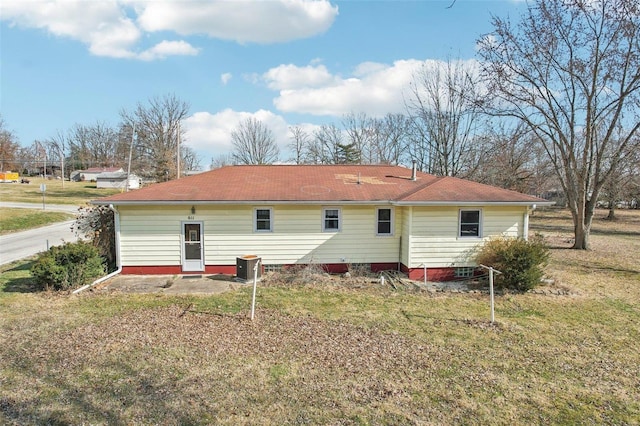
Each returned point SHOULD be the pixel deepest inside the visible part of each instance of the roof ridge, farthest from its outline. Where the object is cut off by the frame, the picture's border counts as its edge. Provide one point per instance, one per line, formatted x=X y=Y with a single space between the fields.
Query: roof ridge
x=420 y=187
x=474 y=182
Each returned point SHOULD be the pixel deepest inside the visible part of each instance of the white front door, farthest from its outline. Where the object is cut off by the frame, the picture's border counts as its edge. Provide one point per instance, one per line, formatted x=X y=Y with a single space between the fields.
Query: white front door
x=192 y=247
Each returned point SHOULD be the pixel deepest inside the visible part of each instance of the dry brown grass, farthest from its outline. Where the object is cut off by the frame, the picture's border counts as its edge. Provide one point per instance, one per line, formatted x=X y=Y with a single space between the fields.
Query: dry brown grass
x=75 y=193
x=615 y=253
x=335 y=355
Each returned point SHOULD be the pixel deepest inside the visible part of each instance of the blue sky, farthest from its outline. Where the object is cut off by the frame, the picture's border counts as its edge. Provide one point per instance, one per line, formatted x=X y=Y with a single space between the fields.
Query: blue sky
x=289 y=62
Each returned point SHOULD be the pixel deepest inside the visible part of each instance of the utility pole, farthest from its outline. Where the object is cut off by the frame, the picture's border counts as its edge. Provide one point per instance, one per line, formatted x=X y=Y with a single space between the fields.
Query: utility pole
x=133 y=132
x=178 y=153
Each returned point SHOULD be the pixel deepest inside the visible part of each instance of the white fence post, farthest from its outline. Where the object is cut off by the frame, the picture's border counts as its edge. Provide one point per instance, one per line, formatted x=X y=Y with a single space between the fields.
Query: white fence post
x=491 y=271
x=255 y=284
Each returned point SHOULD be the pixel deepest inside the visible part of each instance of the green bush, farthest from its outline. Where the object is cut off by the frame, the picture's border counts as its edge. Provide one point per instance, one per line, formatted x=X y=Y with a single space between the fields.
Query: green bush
x=521 y=262
x=67 y=266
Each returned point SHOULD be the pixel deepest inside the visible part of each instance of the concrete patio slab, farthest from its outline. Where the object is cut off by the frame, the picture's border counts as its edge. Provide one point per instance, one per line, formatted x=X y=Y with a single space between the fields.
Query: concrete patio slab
x=171 y=284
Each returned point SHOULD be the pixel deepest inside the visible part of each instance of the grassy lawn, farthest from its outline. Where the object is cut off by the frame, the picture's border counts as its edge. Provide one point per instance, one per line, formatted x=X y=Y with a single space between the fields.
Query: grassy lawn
x=14 y=220
x=323 y=355
x=74 y=193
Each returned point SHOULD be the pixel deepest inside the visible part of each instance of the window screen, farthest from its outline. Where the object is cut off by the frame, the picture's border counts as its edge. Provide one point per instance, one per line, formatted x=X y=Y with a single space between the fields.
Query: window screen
x=470 y=223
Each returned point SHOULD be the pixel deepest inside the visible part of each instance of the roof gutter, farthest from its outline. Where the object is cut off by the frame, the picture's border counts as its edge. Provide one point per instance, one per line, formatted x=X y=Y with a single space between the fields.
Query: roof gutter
x=116 y=219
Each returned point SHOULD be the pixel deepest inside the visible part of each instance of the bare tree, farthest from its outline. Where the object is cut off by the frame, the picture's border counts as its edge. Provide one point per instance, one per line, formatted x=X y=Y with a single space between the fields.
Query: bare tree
x=620 y=185
x=221 y=161
x=9 y=149
x=190 y=160
x=390 y=138
x=570 y=70
x=58 y=144
x=510 y=159
x=299 y=143
x=254 y=143
x=443 y=104
x=325 y=145
x=360 y=132
x=95 y=145
x=159 y=134
x=27 y=159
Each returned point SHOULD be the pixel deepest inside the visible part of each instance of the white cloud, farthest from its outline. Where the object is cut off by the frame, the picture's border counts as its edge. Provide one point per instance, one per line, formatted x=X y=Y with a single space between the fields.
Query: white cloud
x=168 y=48
x=114 y=28
x=286 y=77
x=225 y=78
x=211 y=133
x=242 y=21
x=373 y=88
x=102 y=25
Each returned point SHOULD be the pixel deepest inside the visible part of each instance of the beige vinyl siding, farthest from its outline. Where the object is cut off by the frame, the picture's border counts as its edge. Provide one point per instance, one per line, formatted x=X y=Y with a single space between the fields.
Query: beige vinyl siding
x=151 y=235
x=297 y=237
x=435 y=237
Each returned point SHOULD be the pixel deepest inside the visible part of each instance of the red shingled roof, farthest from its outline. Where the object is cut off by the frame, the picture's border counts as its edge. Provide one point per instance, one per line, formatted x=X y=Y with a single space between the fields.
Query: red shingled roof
x=319 y=183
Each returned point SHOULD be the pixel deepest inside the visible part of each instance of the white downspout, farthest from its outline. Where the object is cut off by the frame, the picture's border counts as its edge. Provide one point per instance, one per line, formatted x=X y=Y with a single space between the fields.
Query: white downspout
x=116 y=220
x=525 y=223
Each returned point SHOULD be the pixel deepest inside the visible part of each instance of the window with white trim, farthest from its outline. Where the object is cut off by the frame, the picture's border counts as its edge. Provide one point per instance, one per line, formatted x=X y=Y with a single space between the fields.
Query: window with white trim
x=470 y=223
x=263 y=219
x=331 y=218
x=384 y=221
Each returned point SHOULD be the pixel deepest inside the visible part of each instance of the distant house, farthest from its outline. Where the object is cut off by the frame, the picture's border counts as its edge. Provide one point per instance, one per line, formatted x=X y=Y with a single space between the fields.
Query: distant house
x=91 y=174
x=383 y=217
x=117 y=180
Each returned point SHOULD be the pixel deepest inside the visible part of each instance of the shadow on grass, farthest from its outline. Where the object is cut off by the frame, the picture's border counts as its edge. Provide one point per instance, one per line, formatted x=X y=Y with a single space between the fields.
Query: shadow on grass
x=21 y=284
x=594 y=267
x=569 y=229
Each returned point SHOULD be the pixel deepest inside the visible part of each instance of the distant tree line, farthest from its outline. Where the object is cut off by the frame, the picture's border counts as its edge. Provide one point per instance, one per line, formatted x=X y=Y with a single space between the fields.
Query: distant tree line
x=149 y=137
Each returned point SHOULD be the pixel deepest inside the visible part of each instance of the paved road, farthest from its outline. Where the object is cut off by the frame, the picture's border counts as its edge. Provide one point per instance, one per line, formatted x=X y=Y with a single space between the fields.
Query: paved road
x=20 y=245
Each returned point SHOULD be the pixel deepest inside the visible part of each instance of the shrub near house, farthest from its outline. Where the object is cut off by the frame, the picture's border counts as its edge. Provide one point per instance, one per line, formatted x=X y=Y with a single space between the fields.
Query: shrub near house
x=520 y=262
x=67 y=266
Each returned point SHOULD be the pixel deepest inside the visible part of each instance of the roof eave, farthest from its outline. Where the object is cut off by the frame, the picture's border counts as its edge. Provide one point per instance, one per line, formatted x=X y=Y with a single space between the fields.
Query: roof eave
x=321 y=202
x=474 y=203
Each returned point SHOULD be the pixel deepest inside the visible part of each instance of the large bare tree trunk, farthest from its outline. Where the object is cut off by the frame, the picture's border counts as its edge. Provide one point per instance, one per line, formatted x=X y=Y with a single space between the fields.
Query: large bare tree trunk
x=570 y=70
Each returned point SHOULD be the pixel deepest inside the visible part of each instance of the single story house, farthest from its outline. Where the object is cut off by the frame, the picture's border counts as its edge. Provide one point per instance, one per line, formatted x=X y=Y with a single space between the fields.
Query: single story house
x=117 y=180
x=384 y=217
x=91 y=174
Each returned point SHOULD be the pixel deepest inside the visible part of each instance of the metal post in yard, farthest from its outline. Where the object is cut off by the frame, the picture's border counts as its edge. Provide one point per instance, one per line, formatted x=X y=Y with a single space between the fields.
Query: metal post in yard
x=43 y=189
x=425 y=274
x=255 y=284
x=491 y=271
